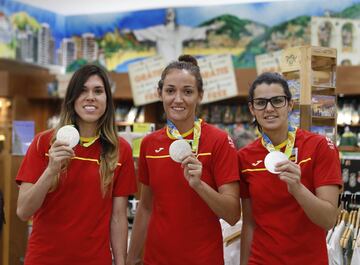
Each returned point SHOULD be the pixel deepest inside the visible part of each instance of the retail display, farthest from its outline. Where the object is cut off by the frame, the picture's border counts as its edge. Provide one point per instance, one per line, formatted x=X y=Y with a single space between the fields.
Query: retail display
x=343 y=240
x=348 y=121
x=311 y=74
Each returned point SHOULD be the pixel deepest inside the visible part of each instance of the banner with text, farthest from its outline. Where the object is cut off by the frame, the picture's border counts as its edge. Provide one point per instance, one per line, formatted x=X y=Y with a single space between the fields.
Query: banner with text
x=219 y=77
x=144 y=77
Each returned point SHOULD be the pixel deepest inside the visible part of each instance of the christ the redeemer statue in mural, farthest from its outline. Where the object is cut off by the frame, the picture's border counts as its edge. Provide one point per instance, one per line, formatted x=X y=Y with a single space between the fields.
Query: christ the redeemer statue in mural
x=169 y=37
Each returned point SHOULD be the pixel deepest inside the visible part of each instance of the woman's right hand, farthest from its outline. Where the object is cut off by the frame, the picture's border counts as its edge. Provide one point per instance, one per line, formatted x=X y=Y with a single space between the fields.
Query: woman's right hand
x=59 y=155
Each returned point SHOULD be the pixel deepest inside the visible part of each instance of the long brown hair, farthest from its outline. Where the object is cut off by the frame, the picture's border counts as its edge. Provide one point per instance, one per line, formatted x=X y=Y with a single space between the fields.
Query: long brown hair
x=106 y=124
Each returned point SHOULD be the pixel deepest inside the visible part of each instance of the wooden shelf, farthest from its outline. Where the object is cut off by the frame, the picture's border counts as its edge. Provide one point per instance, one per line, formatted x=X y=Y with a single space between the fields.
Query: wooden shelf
x=349 y=148
x=320 y=118
x=314 y=68
x=347 y=80
x=124 y=123
x=323 y=90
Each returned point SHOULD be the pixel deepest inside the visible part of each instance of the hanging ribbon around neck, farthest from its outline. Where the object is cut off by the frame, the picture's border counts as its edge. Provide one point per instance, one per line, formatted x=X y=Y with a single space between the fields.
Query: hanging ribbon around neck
x=289 y=145
x=174 y=132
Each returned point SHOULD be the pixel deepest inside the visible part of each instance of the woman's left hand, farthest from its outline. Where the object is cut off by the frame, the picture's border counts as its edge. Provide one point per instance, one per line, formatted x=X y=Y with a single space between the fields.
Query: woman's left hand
x=192 y=170
x=290 y=173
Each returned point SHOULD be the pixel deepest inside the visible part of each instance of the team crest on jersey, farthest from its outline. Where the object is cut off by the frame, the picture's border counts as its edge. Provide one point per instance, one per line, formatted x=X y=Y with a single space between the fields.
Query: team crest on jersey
x=330 y=143
x=231 y=142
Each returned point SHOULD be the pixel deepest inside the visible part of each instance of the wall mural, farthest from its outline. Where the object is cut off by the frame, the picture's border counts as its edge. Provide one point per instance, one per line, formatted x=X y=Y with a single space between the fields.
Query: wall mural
x=117 y=39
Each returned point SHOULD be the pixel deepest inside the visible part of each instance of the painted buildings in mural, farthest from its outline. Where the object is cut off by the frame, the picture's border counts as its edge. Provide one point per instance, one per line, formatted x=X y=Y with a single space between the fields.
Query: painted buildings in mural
x=25 y=38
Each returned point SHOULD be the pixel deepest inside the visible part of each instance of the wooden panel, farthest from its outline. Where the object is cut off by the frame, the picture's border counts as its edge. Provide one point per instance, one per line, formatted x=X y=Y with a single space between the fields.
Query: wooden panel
x=36 y=86
x=323 y=51
x=305 y=117
x=348 y=80
x=4 y=83
x=291 y=59
x=18 y=228
x=41 y=110
x=244 y=78
x=123 y=88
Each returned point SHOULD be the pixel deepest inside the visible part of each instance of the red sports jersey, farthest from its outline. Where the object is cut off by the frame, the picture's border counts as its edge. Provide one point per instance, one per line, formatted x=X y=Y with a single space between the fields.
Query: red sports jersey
x=72 y=226
x=182 y=228
x=283 y=233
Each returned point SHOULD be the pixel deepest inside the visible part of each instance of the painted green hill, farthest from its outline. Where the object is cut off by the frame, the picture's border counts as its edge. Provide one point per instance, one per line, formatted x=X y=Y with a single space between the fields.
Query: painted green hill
x=350 y=12
x=236 y=28
x=290 y=33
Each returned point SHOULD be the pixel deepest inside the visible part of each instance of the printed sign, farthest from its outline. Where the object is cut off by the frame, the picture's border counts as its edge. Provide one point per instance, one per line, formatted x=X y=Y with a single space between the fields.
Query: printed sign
x=144 y=77
x=268 y=62
x=219 y=77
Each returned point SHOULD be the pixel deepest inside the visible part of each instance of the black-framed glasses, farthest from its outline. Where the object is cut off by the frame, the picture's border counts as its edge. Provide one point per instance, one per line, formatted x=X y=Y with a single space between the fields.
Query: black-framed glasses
x=276 y=102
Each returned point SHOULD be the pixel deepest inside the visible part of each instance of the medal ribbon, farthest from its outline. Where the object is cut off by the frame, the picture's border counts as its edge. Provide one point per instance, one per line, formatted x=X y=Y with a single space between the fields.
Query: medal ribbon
x=290 y=141
x=174 y=132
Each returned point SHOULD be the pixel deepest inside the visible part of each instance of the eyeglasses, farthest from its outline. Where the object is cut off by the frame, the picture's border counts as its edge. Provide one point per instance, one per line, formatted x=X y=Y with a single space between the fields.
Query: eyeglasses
x=276 y=102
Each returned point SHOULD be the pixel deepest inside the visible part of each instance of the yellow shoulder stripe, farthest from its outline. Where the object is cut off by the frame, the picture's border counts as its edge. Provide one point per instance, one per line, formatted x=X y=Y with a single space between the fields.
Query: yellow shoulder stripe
x=203 y=154
x=264 y=169
x=166 y=156
x=163 y=156
x=87 y=159
x=304 y=160
x=253 y=169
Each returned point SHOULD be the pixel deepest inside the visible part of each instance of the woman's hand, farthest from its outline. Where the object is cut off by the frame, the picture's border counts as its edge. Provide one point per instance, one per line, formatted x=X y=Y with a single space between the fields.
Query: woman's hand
x=290 y=173
x=59 y=155
x=192 y=170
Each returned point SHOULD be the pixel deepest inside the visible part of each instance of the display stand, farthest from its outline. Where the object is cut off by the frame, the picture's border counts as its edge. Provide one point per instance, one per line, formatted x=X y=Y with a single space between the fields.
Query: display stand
x=311 y=74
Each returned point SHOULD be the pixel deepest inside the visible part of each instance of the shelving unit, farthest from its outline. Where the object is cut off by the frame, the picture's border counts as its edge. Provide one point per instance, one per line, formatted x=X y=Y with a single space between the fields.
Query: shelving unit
x=313 y=71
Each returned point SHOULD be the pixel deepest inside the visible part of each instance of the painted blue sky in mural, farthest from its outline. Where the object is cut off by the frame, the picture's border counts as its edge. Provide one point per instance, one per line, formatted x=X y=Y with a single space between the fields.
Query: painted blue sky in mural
x=114 y=40
x=270 y=14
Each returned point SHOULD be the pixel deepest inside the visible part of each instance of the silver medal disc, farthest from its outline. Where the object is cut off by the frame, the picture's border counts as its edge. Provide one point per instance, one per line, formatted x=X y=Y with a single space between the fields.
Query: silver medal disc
x=68 y=134
x=179 y=149
x=272 y=159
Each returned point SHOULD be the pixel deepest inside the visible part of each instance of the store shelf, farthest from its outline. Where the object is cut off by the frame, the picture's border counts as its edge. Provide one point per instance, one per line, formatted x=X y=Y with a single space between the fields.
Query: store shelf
x=323 y=90
x=350 y=125
x=124 y=123
x=349 y=148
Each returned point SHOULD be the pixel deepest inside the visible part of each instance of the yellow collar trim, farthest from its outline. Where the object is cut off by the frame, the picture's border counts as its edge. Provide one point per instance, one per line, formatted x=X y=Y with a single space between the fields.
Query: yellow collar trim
x=182 y=135
x=87 y=141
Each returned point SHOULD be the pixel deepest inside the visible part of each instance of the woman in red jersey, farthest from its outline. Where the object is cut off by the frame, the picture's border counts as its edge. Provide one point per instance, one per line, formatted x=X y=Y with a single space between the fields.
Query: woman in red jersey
x=288 y=205
x=78 y=196
x=181 y=202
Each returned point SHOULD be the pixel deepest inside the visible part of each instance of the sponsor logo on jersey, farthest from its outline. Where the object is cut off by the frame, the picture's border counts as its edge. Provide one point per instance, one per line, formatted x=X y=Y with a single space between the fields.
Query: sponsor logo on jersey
x=159 y=149
x=256 y=163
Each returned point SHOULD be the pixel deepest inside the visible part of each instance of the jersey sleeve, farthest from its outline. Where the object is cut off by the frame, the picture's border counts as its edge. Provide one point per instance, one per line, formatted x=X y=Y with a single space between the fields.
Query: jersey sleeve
x=125 y=180
x=327 y=170
x=225 y=165
x=244 y=186
x=35 y=160
x=142 y=165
